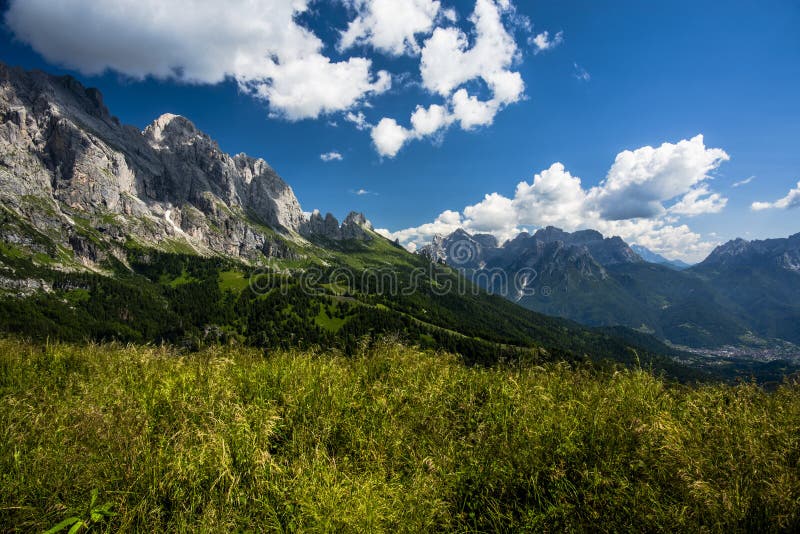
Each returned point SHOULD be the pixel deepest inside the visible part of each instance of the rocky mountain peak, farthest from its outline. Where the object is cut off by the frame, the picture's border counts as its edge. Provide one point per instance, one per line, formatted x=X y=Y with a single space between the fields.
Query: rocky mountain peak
x=354 y=227
x=170 y=130
x=60 y=148
x=726 y=251
x=357 y=219
x=91 y=98
x=549 y=249
x=783 y=253
x=550 y=234
x=486 y=240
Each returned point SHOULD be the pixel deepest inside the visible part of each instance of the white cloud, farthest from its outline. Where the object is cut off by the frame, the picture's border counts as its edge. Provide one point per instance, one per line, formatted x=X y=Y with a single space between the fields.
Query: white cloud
x=581 y=73
x=556 y=197
x=495 y=213
x=699 y=201
x=447 y=63
x=390 y=26
x=272 y=56
x=450 y=15
x=359 y=119
x=743 y=182
x=259 y=44
x=446 y=223
x=313 y=86
x=542 y=42
x=331 y=156
x=472 y=112
x=507 y=87
x=427 y=121
x=791 y=200
x=640 y=181
x=389 y=137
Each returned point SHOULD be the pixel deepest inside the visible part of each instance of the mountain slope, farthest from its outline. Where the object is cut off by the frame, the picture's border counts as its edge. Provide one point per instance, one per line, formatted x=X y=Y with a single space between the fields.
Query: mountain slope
x=763 y=279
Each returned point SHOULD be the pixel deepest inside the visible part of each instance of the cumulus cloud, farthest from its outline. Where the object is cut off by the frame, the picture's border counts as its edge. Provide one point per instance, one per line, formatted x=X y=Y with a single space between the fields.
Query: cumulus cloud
x=259 y=44
x=428 y=121
x=449 y=60
x=553 y=198
x=309 y=87
x=674 y=174
x=640 y=181
x=331 y=156
x=446 y=223
x=542 y=42
x=389 y=137
x=390 y=26
x=472 y=112
x=450 y=15
x=699 y=201
x=791 y=200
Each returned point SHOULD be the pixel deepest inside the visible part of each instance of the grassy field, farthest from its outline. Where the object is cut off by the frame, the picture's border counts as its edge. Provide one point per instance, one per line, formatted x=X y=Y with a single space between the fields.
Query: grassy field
x=393 y=439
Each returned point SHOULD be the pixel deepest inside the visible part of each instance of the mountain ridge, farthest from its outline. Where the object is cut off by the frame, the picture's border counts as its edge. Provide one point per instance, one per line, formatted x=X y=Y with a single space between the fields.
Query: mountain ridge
x=743 y=293
x=64 y=156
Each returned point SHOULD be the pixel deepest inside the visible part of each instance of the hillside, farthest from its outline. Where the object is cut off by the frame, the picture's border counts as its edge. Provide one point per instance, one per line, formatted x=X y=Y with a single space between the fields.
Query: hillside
x=762 y=278
x=334 y=299
x=392 y=440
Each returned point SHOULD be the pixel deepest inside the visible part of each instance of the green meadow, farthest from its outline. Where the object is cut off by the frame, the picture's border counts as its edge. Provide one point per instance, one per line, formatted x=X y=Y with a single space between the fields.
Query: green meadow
x=392 y=439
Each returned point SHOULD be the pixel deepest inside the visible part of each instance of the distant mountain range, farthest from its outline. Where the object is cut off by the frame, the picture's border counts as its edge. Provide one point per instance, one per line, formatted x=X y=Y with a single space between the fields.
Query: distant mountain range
x=745 y=292
x=651 y=257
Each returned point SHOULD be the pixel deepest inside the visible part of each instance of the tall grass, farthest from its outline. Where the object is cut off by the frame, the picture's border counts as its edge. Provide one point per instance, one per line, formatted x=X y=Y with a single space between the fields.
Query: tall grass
x=392 y=440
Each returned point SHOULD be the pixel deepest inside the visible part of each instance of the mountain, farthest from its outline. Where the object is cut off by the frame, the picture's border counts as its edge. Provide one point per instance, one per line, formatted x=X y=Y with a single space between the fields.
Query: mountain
x=774 y=254
x=587 y=251
x=763 y=279
x=72 y=171
x=109 y=232
x=651 y=257
x=744 y=293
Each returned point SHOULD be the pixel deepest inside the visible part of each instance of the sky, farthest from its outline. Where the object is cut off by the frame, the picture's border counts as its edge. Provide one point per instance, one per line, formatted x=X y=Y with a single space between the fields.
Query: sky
x=675 y=125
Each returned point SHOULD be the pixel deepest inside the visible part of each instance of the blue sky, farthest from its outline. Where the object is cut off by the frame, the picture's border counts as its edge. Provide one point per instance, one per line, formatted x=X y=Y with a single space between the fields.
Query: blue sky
x=621 y=76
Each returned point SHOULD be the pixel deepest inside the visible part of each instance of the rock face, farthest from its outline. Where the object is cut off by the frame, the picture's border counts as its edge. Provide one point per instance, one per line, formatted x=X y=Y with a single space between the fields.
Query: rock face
x=70 y=170
x=355 y=226
x=780 y=253
x=549 y=250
